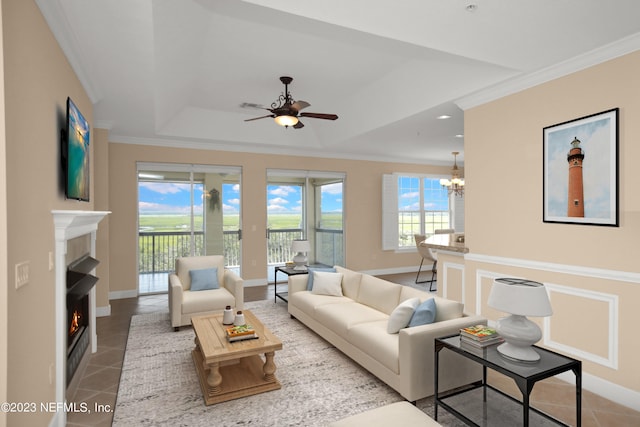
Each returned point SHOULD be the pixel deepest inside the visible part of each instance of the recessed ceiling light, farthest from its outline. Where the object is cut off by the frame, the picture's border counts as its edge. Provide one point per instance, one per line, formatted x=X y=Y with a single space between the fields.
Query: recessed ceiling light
x=459 y=135
x=443 y=117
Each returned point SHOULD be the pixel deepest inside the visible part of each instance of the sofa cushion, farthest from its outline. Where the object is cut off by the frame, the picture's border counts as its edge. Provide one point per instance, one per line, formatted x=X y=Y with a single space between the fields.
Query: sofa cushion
x=379 y=294
x=350 y=282
x=204 y=278
x=308 y=302
x=409 y=292
x=196 y=302
x=326 y=283
x=399 y=413
x=424 y=314
x=447 y=309
x=373 y=339
x=340 y=317
x=401 y=315
x=310 y=276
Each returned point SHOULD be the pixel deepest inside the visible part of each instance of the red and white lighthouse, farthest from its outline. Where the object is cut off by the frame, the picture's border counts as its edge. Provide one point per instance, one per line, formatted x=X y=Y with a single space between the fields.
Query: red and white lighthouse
x=575 y=157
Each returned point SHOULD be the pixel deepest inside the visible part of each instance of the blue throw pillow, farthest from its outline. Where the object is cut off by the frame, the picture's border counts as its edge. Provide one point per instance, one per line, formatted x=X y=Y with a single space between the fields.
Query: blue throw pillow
x=424 y=314
x=312 y=269
x=204 y=279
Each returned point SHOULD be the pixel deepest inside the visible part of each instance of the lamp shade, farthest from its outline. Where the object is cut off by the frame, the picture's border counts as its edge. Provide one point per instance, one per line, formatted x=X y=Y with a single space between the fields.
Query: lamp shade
x=285 y=120
x=520 y=297
x=300 y=246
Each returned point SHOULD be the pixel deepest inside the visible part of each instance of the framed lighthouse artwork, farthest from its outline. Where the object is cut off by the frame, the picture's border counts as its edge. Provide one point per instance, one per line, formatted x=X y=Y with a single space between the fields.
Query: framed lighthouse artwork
x=580 y=172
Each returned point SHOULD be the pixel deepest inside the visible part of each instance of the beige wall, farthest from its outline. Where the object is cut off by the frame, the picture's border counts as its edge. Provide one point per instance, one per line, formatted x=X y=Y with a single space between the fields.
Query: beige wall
x=4 y=324
x=37 y=81
x=591 y=271
x=363 y=206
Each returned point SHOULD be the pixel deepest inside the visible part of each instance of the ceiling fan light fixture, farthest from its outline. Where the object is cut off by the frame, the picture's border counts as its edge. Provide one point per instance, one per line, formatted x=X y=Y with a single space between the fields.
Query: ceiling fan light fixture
x=286 y=120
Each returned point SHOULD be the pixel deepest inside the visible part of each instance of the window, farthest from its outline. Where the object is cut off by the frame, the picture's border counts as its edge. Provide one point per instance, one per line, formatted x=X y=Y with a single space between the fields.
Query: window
x=412 y=205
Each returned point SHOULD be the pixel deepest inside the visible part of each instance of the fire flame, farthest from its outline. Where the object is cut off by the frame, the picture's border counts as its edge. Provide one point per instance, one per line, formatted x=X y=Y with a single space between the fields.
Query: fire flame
x=75 y=322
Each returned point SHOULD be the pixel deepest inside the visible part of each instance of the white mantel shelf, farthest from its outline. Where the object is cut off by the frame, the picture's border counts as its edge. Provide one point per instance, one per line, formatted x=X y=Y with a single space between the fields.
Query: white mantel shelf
x=69 y=224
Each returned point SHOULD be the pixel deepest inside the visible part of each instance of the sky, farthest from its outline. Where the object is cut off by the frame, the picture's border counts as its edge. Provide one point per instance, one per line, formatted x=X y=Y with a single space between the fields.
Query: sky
x=435 y=198
x=174 y=198
x=595 y=137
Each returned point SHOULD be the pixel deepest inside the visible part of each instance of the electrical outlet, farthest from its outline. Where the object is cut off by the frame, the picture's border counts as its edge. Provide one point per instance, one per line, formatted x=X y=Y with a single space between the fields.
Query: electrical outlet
x=22 y=274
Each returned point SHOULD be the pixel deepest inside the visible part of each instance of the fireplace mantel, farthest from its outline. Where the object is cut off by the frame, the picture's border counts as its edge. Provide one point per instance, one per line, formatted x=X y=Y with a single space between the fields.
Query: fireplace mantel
x=69 y=224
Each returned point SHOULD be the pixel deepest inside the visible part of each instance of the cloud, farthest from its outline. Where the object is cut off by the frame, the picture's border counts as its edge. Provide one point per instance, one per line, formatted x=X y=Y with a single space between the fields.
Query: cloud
x=276 y=208
x=159 y=208
x=278 y=201
x=332 y=188
x=229 y=209
x=234 y=201
x=410 y=195
x=283 y=190
x=165 y=187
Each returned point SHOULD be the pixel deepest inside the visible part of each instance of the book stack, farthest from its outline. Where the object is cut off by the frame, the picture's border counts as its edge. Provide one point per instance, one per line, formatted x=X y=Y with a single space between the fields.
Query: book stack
x=479 y=336
x=241 y=333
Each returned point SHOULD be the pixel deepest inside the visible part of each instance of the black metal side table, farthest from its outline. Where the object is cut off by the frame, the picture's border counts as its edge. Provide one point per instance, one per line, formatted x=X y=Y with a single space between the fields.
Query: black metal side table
x=524 y=374
x=289 y=271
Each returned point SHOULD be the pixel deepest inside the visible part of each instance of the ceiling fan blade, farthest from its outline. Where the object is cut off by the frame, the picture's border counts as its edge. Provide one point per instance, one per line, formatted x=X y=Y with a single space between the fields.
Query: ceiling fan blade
x=320 y=116
x=262 y=117
x=252 y=105
x=298 y=125
x=300 y=105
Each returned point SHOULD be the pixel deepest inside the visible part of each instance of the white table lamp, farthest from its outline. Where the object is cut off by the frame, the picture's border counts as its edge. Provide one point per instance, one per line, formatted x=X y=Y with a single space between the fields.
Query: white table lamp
x=301 y=248
x=520 y=298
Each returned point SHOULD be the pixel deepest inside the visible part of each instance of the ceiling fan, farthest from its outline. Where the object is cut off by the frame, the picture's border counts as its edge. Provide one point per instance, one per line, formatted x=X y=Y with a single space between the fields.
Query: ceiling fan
x=286 y=112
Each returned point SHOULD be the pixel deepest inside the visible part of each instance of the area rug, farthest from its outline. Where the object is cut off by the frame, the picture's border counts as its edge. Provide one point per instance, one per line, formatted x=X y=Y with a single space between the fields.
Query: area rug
x=158 y=384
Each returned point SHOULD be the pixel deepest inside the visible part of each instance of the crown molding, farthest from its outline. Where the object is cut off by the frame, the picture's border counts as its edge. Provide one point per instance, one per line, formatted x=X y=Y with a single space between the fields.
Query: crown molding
x=261 y=149
x=517 y=84
x=62 y=31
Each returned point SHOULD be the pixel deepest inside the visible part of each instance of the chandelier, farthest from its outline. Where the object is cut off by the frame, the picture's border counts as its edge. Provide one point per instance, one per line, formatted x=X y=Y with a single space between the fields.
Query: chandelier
x=456 y=184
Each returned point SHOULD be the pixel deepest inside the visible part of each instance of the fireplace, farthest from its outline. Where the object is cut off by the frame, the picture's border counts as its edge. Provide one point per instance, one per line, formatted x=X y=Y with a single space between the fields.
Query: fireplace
x=79 y=284
x=69 y=225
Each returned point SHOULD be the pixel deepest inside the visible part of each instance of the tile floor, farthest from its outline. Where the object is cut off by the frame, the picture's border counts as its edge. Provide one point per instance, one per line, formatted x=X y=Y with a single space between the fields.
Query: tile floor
x=99 y=380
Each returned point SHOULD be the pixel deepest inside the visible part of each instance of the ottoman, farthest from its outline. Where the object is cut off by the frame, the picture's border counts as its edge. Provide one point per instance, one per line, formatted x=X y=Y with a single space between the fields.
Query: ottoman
x=399 y=413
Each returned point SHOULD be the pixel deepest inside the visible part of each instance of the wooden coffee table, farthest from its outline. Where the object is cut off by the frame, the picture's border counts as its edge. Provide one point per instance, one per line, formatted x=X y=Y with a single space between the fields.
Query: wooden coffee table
x=230 y=370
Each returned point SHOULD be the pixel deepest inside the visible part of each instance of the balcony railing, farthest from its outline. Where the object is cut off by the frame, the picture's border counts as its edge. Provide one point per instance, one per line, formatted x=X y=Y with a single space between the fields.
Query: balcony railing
x=158 y=250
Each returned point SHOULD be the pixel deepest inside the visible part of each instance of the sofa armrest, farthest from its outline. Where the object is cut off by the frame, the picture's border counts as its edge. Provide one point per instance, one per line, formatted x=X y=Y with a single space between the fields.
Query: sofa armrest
x=235 y=284
x=175 y=299
x=297 y=283
x=417 y=347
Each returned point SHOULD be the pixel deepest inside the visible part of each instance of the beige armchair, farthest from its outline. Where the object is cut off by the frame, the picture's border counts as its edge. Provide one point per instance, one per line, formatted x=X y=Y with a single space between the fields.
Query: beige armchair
x=185 y=303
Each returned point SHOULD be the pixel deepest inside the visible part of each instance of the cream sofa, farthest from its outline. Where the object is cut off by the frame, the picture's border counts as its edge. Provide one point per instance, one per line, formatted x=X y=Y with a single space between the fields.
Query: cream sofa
x=356 y=323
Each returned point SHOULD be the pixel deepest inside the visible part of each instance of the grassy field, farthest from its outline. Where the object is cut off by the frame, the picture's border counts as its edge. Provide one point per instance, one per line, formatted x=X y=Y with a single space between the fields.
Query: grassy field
x=331 y=220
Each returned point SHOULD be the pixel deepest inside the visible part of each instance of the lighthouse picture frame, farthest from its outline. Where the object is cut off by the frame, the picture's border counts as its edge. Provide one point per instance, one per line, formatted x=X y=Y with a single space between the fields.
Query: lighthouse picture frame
x=580 y=170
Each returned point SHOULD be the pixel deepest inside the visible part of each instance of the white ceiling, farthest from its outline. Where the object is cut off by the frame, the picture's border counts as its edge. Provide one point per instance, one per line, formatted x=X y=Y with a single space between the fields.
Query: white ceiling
x=171 y=72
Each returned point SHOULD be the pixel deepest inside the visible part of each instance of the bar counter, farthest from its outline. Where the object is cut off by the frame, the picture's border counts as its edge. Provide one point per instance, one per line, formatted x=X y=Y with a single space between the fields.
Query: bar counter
x=446 y=242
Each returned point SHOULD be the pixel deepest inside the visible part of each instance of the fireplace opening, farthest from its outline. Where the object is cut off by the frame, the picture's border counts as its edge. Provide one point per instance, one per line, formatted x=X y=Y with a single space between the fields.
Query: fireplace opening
x=80 y=281
x=78 y=319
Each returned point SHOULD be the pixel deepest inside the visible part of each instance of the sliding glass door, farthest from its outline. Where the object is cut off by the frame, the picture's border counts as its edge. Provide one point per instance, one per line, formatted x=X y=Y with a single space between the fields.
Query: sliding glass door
x=305 y=205
x=185 y=210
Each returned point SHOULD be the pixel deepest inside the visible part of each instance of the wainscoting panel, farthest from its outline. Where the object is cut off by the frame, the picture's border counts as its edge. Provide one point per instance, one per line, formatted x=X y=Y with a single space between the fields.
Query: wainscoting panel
x=593 y=322
x=453 y=280
x=589 y=331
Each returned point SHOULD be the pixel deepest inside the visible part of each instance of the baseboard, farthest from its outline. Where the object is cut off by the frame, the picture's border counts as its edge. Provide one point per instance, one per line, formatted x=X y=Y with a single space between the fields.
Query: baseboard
x=123 y=294
x=251 y=283
x=395 y=270
x=103 y=311
x=606 y=389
